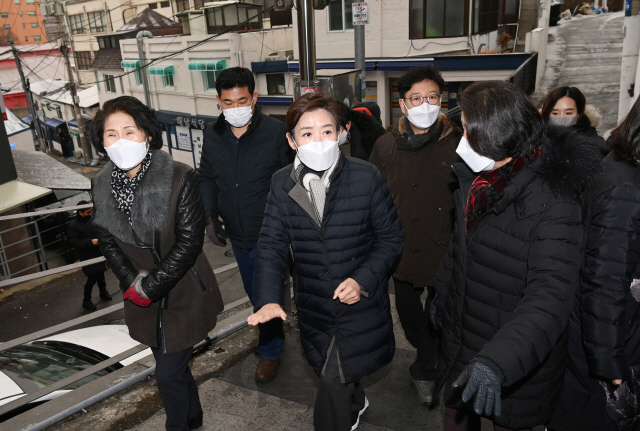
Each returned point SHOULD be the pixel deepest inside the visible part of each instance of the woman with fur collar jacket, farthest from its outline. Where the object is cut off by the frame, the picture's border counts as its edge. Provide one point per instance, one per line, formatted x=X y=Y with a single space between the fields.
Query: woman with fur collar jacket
x=149 y=216
x=507 y=284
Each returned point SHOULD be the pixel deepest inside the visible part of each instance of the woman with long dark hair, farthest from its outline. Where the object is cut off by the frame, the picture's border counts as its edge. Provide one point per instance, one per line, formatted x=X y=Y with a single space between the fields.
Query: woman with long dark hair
x=507 y=283
x=150 y=220
x=602 y=383
x=566 y=106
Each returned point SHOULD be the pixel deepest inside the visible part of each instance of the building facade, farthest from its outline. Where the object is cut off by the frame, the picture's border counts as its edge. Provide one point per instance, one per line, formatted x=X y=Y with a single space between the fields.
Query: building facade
x=22 y=23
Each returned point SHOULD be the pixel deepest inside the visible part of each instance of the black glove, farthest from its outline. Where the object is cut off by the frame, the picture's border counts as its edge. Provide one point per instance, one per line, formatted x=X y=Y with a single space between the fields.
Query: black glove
x=436 y=310
x=485 y=383
x=215 y=232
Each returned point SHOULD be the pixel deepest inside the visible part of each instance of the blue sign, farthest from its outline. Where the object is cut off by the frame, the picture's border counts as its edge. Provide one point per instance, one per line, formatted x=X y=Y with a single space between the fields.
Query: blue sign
x=627 y=7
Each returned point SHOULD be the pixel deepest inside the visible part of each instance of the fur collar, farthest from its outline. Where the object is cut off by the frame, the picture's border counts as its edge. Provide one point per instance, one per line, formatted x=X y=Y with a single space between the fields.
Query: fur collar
x=150 y=209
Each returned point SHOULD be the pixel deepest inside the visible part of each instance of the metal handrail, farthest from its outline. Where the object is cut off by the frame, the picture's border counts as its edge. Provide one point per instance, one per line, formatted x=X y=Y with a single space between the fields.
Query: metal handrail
x=43 y=212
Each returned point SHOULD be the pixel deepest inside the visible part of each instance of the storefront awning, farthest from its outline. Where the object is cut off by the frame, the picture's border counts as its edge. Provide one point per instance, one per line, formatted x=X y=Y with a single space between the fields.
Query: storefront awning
x=130 y=64
x=161 y=70
x=208 y=65
x=52 y=123
x=74 y=122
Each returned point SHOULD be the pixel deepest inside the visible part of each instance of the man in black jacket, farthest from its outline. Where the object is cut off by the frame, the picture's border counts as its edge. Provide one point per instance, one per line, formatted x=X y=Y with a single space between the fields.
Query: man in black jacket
x=241 y=152
x=83 y=240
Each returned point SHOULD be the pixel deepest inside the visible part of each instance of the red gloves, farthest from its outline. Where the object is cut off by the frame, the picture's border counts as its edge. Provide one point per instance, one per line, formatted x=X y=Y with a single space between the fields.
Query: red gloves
x=134 y=297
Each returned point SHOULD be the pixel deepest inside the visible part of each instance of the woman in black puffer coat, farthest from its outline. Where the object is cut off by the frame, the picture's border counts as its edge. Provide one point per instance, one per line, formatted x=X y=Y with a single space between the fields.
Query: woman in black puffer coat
x=508 y=281
x=602 y=383
x=338 y=217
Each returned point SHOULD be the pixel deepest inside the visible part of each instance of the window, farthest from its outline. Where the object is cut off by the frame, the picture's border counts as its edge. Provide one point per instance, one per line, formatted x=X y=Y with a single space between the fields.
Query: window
x=34 y=25
x=340 y=15
x=7 y=26
x=37 y=38
x=153 y=5
x=31 y=13
x=209 y=80
x=182 y=5
x=16 y=1
x=437 y=18
x=110 y=84
x=4 y=15
x=83 y=60
x=97 y=22
x=109 y=42
x=165 y=4
x=23 y=26
x=26 y=38
x=31 y=1
x=485 y=15
x=34 y=14
x=275 y=84
x=167 y=80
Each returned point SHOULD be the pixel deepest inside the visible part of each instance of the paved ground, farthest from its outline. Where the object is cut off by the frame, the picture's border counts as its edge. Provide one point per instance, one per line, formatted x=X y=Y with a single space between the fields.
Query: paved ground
x=586 y=52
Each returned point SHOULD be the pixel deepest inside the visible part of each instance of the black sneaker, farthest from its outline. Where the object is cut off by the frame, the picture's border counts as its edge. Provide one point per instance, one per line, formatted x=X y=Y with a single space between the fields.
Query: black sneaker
x=88 y=305
x=356 y=420
x=105 y=296
x=195 y=422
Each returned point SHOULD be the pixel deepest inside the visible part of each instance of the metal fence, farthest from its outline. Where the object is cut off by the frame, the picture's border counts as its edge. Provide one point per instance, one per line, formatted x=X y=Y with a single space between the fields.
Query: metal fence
x=525 y=75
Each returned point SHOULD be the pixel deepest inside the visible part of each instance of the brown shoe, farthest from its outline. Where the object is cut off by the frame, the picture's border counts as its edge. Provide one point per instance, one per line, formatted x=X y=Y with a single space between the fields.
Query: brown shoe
x=267 y=370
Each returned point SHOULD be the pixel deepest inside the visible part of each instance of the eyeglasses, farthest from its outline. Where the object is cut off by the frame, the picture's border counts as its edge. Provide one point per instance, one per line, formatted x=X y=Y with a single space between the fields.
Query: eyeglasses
x=419 y=100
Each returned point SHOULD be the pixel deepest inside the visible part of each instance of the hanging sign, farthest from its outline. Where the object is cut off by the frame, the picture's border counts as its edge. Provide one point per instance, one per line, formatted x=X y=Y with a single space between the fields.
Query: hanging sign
x=360 y=13
x=183 y=138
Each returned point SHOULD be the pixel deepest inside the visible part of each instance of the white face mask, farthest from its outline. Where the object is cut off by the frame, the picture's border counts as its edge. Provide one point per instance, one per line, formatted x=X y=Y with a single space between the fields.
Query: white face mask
x=127 y=154
x=238 y=117
x=474 y=160
x=319 y=156
x=563 y=121
x=423 y=116
x=343 y=137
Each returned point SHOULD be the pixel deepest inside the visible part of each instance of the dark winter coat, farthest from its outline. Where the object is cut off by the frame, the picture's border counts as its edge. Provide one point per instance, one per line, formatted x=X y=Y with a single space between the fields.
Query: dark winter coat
x=166 y=240
x=80 y=234
x=509 y=283
x=605 y=323
x=365 y=131
x=235 y=187
x=422 y=185
x=360 y=238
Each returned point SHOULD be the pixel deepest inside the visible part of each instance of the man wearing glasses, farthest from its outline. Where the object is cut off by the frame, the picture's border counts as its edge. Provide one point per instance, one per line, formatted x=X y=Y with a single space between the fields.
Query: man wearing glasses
x=415 y=160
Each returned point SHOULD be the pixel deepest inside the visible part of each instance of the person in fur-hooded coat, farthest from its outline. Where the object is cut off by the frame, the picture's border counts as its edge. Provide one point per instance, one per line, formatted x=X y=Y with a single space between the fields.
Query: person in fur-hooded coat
x=507 y=284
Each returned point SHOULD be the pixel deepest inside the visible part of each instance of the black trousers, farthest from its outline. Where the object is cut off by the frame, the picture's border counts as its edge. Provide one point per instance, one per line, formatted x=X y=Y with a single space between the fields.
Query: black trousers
x=337 y=404
x=91 y=280
x=414 y=318
x=177 y=388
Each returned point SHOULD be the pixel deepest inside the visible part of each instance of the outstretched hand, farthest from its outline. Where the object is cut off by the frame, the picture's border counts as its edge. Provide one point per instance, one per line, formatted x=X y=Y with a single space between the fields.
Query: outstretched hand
x=267 y=313
x=348 y=292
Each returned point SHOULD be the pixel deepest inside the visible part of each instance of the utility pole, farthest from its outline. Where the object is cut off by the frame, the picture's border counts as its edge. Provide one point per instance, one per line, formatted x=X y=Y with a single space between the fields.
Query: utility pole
x=306 y=43
x=64 y=49
x=143 y=70
x=27 y=94
x=630 y=72
x=360 y=19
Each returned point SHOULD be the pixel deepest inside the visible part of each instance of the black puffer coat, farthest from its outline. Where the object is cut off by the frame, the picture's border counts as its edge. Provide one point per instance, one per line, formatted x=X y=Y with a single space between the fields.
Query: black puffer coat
x=510 y=281
x=235 y=187
x=166 y=241
x=605 y=324
x=360 y=238
x=80 y=234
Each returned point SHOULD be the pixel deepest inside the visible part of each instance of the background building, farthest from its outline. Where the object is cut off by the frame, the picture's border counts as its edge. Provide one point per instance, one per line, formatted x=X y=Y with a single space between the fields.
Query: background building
x=21 y=23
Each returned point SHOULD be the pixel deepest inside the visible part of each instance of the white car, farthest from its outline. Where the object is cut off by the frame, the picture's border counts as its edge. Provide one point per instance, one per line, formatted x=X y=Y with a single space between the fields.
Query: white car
x=31 y=366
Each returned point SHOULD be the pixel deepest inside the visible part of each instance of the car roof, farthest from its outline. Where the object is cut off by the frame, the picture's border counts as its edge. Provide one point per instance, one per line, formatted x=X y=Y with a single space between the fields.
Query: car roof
x=110 y=340
x=8 y=388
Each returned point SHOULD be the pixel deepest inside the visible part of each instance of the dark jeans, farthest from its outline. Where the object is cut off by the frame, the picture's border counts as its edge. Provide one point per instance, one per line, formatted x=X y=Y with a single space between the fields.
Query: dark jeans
x=414 y=318
x=456 y=420
x=91 y=280
x=271 y=338
x=177 y=388
x=337 y=404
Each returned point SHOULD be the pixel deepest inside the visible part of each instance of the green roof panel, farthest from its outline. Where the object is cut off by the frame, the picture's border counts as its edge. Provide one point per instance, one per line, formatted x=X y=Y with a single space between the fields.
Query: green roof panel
x=208 y=65
x=161 y=70
x=130 y=64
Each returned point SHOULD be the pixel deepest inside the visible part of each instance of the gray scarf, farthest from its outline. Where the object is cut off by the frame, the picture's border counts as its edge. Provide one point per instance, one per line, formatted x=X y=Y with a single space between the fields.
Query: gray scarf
x=316 y=183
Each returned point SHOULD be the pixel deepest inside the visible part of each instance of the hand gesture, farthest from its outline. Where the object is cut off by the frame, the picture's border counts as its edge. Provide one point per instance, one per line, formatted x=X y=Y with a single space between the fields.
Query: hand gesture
x=94 y=241
x=348 y=292
x=266 y=313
